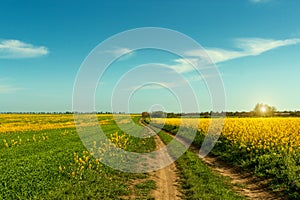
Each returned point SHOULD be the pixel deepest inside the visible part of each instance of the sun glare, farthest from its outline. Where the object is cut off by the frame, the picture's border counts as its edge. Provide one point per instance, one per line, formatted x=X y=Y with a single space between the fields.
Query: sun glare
x=263 y=109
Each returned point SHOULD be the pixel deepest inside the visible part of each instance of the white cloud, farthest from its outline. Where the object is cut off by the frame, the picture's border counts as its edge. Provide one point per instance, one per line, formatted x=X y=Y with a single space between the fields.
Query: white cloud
x=220 y=55
x=247 y=46
x=19 y=49
x=190 y=63
x=256 y=46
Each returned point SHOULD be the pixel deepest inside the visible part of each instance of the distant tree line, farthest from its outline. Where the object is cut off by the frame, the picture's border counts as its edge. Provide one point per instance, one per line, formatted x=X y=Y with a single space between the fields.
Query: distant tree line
x=66 y=112
x=260 y=110
x=160 y=114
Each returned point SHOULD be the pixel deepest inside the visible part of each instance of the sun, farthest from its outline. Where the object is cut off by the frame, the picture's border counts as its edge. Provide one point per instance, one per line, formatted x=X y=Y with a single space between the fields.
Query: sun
x=263 y=109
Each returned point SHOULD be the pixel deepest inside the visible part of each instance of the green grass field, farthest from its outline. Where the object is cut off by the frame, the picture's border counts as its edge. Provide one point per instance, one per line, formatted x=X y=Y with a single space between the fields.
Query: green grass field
x=42 y=165
x=43 y=157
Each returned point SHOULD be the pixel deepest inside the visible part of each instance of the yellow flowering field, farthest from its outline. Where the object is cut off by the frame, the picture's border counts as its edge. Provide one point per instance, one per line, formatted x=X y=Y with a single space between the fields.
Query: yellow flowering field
x=275 y=134
x=34 y=122
x=269 y=147
x=10 y=123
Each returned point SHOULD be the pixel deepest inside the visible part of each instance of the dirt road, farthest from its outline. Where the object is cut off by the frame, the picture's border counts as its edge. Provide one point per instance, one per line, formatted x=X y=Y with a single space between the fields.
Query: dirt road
x=245 y=184
x=165 y=178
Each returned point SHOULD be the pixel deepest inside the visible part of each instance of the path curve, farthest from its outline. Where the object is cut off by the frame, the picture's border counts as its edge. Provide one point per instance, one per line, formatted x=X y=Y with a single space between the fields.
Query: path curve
x=252 y=187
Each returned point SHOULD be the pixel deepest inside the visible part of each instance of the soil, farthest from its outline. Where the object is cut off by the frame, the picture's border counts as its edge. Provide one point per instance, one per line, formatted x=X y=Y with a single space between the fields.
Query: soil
x=245 y=183
x=166 y=178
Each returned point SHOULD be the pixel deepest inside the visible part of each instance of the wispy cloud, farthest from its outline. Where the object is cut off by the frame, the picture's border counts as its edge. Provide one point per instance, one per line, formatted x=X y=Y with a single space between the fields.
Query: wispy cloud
x=120 y=51
x=10 y=49
x=183 y=65
x=246 y=46
x=191 y=63
x=200 y=59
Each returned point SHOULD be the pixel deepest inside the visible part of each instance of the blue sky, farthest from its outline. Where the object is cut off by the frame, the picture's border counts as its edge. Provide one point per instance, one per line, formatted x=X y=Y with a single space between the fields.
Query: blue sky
x=255 y=45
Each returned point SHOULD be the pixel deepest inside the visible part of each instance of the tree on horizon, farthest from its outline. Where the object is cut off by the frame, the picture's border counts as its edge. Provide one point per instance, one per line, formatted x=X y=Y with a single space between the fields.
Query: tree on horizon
x=264 y=110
